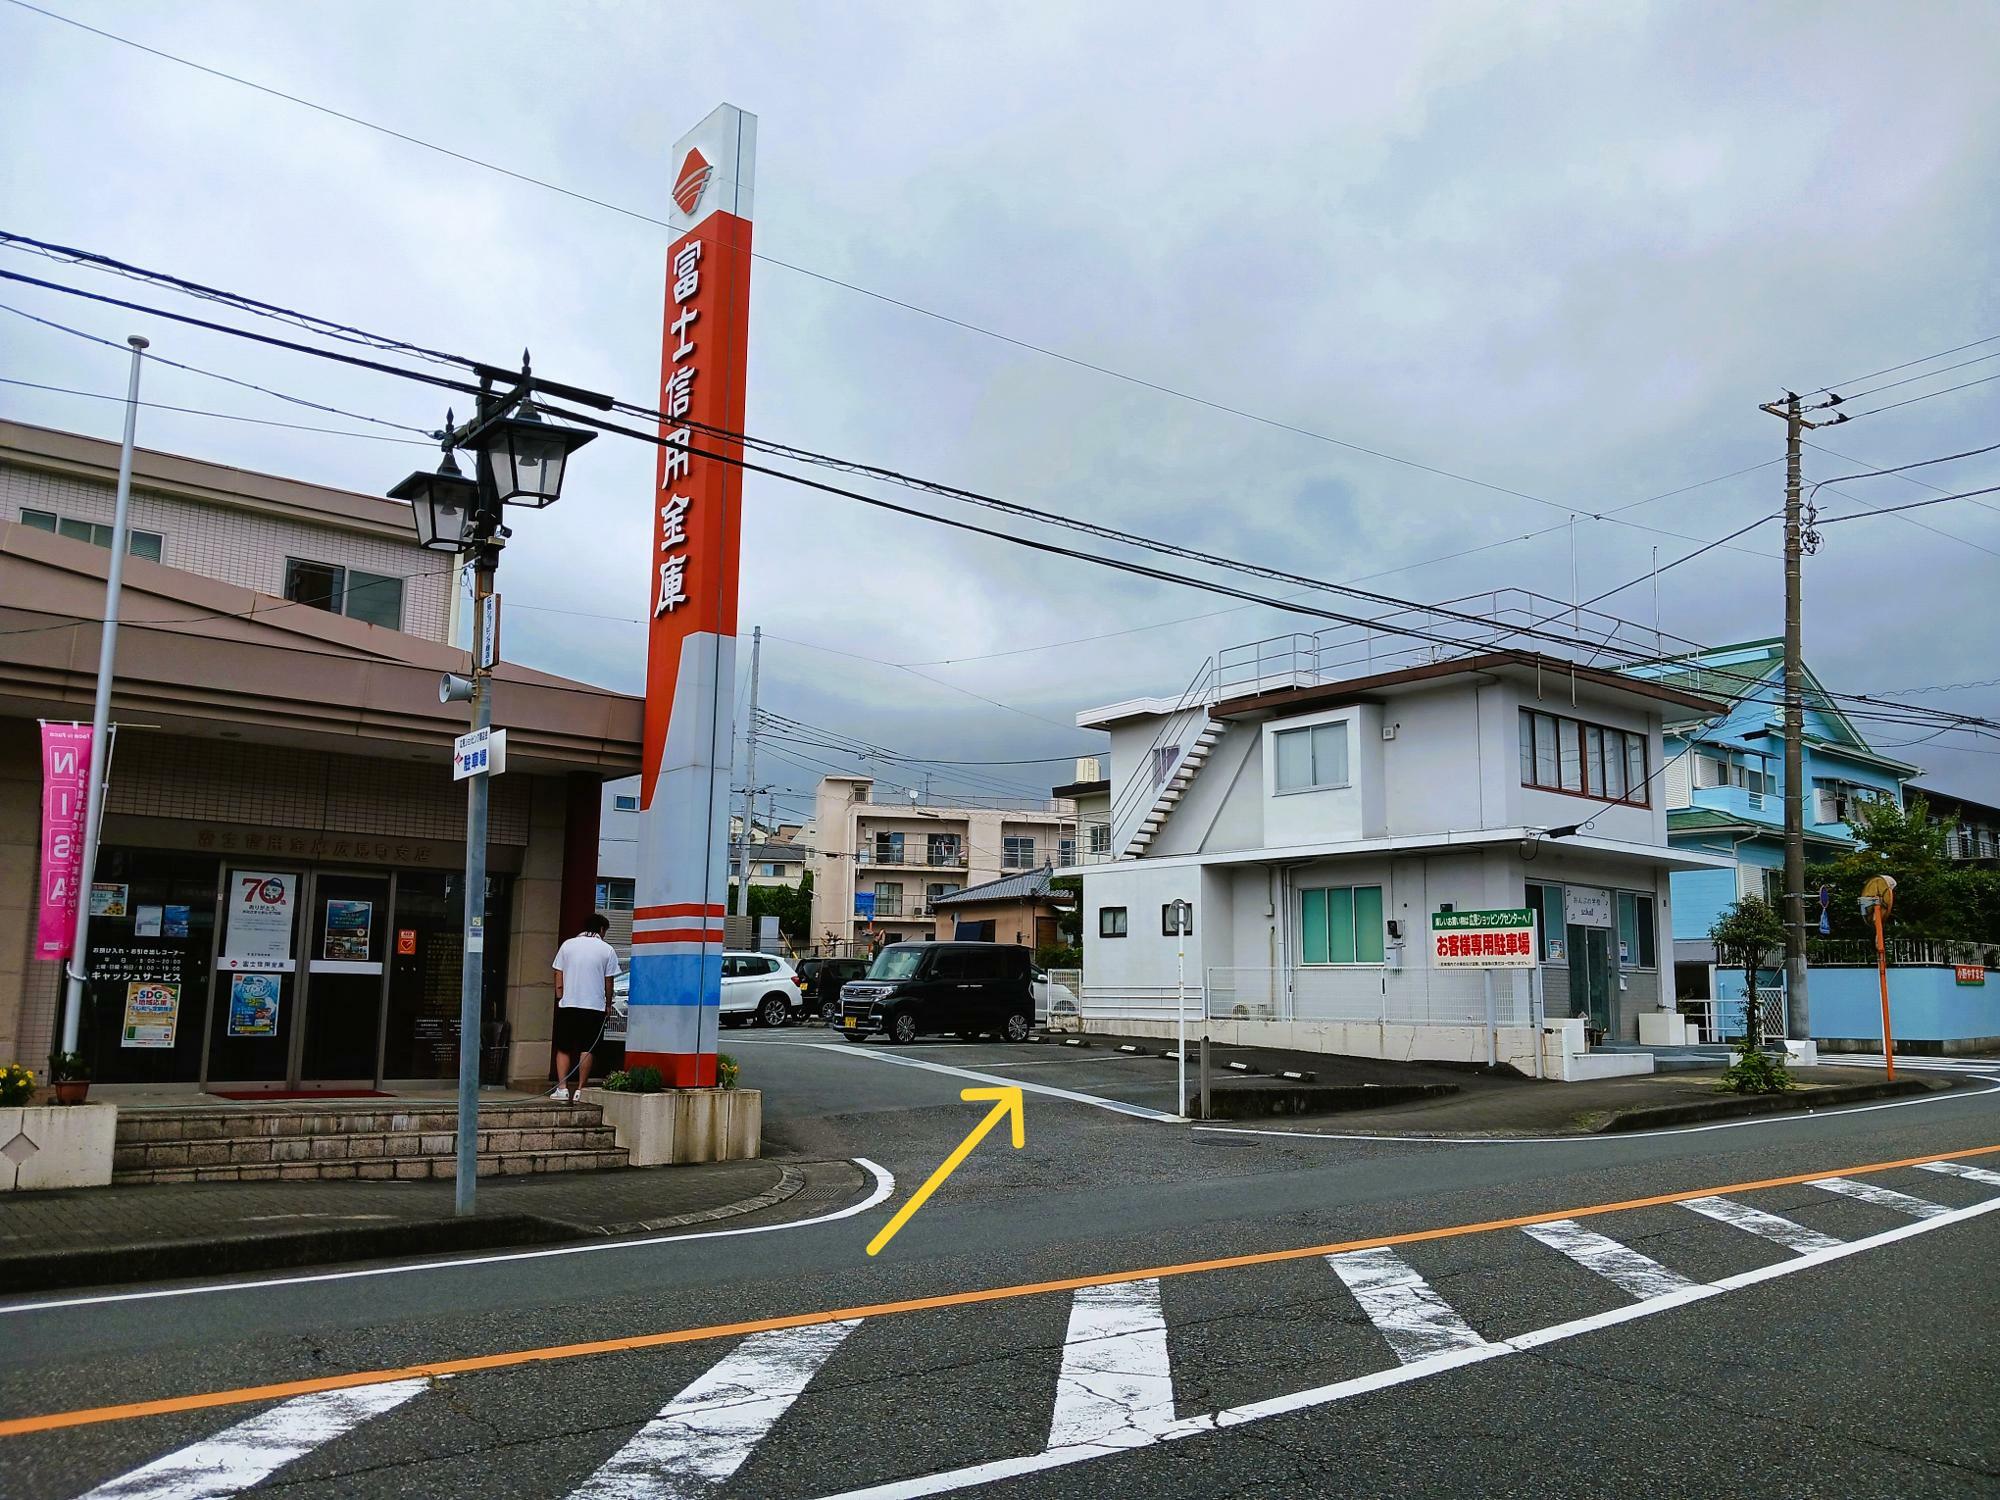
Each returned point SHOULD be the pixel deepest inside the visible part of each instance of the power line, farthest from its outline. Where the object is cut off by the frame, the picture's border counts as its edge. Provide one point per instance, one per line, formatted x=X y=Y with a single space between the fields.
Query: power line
x=1911 y=400
x=226 y=416
x=1922 y=463
x=1891 y=385
x=1908 y=364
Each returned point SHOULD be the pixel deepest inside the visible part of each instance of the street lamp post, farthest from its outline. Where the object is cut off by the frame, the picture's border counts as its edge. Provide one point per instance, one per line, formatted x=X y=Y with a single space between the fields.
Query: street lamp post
x=1183 y=917
x=520 y=461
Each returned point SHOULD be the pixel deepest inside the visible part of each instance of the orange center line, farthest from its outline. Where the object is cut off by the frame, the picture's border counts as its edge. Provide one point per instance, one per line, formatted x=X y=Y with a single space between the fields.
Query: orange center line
x=437 y=1369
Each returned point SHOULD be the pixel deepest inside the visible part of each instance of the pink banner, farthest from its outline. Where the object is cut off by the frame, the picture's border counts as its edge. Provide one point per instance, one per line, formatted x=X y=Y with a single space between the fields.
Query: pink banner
x=65 y=776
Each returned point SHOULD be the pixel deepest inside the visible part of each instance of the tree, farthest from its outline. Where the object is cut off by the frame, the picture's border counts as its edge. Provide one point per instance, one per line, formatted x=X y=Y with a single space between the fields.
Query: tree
x=791 y=905
x=1745 y=935
x=1898 y=840
x=1069 y=917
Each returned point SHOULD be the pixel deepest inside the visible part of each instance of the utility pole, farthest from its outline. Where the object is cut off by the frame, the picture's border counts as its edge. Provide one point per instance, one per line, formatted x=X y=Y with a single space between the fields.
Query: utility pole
x=1798 y=1017
x=742 y=894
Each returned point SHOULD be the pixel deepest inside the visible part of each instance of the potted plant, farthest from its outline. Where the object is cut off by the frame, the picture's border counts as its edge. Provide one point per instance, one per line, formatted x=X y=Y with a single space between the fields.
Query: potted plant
x=70 y=1075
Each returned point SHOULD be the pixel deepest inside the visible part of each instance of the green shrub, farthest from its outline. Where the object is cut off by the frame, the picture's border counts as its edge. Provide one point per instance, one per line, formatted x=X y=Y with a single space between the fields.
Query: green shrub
x=644 y=1081
x=617 y=1083
x=1756 y=1072
x=17 y=1085
x=68 y=1067
x=725 y=1070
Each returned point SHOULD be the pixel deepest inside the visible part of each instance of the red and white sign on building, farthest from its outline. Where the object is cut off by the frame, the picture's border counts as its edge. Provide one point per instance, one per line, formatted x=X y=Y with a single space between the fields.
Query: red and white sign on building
x=65 y=776
x=695 y=524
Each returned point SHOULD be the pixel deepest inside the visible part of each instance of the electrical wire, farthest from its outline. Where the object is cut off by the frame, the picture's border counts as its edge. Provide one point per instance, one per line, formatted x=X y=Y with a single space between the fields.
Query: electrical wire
x=1891 y=510
x=1926 y=396
x=226 y=416
x=1891 y=385
x=1908 y=364
x=1922 y=463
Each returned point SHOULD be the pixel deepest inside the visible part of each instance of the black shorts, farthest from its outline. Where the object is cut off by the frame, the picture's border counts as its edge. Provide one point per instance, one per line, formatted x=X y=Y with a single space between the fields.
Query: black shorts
x=577 y=1029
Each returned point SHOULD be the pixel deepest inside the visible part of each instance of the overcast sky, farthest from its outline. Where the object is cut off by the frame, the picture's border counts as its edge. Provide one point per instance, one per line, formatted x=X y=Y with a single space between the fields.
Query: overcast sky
x=1563 y=250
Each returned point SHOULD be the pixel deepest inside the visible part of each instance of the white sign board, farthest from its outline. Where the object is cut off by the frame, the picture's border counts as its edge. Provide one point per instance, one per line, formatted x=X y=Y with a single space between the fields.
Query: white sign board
x=258 y=931
x=1503 y=939
x=767 y=933
x=1586 y=906
x=480 y=753
x=489 y=644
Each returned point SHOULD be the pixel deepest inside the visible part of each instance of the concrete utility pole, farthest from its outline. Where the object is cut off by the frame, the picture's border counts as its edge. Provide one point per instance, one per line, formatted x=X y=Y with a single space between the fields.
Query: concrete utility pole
x=741 y=903
x=1798 y=1016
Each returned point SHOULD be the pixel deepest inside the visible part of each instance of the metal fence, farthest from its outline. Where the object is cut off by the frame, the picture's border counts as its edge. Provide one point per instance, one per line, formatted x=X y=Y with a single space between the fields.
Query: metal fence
x=1860 y=952
x=1398 y=997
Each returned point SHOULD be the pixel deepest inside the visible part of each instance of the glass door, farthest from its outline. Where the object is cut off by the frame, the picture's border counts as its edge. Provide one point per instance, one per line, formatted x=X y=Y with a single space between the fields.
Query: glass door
x=1590 y=975
x=346 y=964
x=253 y=1005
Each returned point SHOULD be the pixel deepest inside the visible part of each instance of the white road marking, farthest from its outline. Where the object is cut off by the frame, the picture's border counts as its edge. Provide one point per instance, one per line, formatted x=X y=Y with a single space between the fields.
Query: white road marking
x=1756 y=1221
x=1960 y=1169
x=1805 y=1117
x=885 y=1184
x=1326 y=1395
x=257 y=1447
x=702 y=1437
x=1639 y=1275
x=1116 y=1106
x=1116 y=1388
x=1417 y=1322
x=1881 y=1197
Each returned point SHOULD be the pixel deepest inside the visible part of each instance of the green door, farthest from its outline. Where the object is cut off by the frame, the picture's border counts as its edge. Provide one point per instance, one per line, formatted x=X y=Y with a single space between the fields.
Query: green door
x=1590 y=975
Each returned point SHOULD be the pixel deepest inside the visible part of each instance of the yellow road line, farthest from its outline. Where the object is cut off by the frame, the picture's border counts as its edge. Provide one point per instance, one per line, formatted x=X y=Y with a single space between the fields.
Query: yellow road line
x=88 y=1416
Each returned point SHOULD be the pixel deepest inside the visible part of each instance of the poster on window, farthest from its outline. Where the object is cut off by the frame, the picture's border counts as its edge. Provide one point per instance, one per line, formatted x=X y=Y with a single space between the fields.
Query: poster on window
x=173 y=921
x=152 y=1013
x=258 y=934
x=147 y=921
x=108 y=900
x=253 y=1004
x=348 y=928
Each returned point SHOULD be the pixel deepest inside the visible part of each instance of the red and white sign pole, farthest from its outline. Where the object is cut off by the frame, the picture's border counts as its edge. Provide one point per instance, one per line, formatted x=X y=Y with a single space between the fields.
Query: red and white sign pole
x=695 y=525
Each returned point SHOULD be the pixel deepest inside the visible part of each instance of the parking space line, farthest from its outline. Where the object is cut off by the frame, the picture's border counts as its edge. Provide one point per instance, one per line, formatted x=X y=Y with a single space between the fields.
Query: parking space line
x=1116 y=1106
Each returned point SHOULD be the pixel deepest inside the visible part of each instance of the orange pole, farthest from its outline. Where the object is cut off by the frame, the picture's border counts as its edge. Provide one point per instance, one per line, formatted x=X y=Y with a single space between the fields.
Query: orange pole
x=1882 y=970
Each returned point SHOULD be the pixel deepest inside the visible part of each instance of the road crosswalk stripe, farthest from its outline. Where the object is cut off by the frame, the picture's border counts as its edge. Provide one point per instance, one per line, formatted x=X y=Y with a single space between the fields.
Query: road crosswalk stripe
x=1116 y=1387
x=257 y=1447
x=702 y=1437
x=1624 y=1267
x=1404 y=1308
x=1959 y=1169
x=1881 y=1197
x=1771 y=1226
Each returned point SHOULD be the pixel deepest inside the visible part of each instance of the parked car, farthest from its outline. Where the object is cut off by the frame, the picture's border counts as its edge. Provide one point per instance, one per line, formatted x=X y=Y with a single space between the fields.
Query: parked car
x=755 y=987
x=965 y=988
x=1052 y=999
x=820 y=980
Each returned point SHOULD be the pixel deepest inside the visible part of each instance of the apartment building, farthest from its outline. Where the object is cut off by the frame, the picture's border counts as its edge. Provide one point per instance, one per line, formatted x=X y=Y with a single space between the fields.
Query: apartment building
x=277 y=729
x=879 y=868
x=777 y=856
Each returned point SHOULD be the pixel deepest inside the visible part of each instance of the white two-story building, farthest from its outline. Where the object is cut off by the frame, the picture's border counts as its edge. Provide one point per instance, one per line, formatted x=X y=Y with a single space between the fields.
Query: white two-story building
x=1317 y=826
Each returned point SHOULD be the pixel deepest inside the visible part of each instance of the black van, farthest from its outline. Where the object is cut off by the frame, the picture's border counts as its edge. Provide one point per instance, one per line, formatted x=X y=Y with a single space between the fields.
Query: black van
x=965 y=988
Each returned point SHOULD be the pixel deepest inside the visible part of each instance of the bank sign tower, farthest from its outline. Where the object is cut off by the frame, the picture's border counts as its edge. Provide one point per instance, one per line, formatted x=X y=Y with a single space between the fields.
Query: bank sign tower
x=696 y=525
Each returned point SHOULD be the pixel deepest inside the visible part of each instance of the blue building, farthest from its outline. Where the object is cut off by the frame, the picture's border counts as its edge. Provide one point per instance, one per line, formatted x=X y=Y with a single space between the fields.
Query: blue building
x=1724 y=791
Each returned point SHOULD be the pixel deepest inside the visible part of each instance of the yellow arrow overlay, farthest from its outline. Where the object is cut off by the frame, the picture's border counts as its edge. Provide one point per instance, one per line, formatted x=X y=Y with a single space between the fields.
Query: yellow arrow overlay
x=1007 y=1102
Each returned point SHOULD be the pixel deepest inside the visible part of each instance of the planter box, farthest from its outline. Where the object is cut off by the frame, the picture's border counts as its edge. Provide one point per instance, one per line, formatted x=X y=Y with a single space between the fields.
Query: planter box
x=53 y=1146
x=684 y=1125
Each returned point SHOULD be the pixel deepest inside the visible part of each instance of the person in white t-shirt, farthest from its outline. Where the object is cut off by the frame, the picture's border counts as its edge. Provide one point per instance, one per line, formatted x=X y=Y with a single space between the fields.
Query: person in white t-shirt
x=584 y=968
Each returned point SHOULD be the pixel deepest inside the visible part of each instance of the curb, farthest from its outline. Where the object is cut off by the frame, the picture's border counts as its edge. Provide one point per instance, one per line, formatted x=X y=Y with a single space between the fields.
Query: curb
x=1651 y=1117
x=169 y=1260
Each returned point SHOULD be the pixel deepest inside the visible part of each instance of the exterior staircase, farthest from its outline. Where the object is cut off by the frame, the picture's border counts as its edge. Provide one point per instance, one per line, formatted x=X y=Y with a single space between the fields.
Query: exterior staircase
x=377 y=1139
x=1189 y=765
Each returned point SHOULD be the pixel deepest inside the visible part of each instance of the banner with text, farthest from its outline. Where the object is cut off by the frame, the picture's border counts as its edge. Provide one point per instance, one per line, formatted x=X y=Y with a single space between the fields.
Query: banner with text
x=1503 y=939
x=65 y=778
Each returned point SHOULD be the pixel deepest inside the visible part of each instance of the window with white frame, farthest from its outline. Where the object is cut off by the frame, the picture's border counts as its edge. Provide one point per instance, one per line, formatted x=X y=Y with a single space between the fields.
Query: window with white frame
x=1340 y=924
x=1165 y=758
x=1312 y=758
x=625 y=802
x=1100 y=838
x=1017 y=852
x=144 y=544
x=376 y=598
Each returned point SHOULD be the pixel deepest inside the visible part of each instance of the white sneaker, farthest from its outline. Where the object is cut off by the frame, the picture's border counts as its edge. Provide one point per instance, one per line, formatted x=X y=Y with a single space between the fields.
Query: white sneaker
x=557 y=1092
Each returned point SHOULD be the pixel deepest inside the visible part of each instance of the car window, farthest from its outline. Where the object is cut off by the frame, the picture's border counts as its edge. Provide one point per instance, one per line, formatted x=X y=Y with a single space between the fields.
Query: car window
x=732 y=968
x=896 y=963
x=764 y=965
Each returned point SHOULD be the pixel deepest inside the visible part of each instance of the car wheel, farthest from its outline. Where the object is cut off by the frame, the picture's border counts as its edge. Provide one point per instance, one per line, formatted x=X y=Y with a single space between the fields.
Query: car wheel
x=902 y=1028
x=1018 y=1026
x=774 y=1011
x=830 y=1013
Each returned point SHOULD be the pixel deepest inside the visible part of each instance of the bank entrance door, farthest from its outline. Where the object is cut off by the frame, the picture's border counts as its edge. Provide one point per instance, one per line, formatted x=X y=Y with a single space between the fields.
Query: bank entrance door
x=1590 y=975
x=300 y=973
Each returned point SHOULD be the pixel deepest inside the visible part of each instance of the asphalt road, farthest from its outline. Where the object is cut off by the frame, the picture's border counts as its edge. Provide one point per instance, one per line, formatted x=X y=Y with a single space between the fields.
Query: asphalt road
x=1792 y=1338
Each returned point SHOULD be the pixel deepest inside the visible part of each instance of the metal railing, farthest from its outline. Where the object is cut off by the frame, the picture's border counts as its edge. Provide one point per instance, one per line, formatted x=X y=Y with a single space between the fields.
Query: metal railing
x=943 y=857
x=1936 y=952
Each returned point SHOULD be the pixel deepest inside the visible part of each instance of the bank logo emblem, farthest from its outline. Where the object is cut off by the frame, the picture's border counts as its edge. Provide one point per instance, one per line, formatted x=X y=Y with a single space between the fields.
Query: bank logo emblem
x=692 y=182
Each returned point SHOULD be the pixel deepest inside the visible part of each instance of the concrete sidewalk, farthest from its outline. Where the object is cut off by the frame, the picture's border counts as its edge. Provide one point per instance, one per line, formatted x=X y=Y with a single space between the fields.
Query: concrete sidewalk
x=1499 y=1102
x=98 y=1236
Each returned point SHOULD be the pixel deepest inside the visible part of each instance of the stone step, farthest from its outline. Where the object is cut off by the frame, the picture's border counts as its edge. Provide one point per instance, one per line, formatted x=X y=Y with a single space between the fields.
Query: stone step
x=397 y=1168
x=268 y=1150
x=137 y=1125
